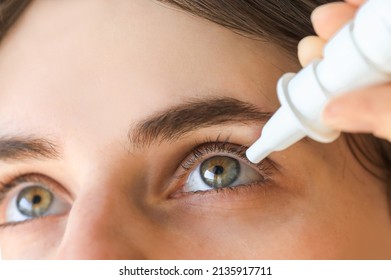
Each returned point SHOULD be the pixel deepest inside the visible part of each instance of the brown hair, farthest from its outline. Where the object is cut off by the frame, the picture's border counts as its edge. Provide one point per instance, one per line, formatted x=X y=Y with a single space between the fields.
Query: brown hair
x=9 y=12
x=283 y=22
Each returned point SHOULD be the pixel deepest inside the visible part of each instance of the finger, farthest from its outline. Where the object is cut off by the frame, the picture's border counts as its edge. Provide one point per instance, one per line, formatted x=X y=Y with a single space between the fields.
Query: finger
x=366 y=110
x=328 y=19
x=309 y=49
x=356 y=2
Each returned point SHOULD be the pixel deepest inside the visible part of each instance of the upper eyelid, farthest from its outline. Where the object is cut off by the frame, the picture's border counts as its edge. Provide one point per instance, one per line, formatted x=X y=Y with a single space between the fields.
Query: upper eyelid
x=203 y=154
x=58 y=191
x=13 y=181
x=227 y=148
x=222 y=147
x=6 y=186
x=210 y=147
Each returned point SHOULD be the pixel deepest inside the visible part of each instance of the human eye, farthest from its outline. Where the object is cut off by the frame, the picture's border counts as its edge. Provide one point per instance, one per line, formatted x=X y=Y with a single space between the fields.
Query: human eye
x=29 y=197
x=218 y=166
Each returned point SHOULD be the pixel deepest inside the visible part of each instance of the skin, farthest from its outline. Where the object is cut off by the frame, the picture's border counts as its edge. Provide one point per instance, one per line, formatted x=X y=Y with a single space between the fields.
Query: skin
x=364 y=110
x=80 y=72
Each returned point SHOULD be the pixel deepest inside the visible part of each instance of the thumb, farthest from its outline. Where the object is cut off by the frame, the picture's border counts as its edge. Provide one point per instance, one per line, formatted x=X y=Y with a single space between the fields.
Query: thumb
x=309 y=49
x=366 y=110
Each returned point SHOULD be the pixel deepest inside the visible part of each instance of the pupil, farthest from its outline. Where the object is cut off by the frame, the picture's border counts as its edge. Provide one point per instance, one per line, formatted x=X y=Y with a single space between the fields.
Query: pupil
x=36 y=199
x=218 y=170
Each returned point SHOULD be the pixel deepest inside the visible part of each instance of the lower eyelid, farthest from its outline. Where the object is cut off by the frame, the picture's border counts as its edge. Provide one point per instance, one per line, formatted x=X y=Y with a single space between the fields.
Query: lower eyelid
x=246 y=197
x=225 y=190
x=32 y=222
x=266 y=170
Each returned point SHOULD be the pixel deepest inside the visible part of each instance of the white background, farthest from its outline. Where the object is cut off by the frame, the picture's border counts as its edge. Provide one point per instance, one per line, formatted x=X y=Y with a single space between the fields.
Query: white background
x=109 y=270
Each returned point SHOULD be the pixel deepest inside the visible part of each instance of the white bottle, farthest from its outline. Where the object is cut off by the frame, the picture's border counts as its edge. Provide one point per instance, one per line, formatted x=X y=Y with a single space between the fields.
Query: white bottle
x=358 y=56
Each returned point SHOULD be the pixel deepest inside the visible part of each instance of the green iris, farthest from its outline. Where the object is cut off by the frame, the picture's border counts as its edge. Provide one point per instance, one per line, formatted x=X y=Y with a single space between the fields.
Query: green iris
x=220 y=171
x=34 y=201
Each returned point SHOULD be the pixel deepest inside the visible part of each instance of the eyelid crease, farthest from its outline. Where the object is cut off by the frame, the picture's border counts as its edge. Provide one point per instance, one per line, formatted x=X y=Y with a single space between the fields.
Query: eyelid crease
x=14 y=180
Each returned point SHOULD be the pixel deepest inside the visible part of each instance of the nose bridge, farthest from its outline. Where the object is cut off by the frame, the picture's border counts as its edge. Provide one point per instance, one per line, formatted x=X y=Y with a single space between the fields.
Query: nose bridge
x=101 y=225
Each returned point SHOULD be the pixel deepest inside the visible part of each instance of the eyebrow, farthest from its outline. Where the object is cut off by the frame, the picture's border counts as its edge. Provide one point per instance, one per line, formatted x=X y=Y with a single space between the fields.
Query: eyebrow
x=167 y=125
x=172 y=123
x=27 y=147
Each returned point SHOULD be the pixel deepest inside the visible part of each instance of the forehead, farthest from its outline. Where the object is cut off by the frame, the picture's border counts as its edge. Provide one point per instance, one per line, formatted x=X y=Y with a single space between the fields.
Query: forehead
x=93 y=63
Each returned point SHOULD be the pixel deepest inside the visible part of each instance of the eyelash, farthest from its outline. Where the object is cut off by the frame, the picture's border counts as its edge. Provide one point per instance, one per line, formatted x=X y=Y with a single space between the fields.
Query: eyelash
x=209 y=147
x=8 y=183
x=13 y=180
x=13 y=224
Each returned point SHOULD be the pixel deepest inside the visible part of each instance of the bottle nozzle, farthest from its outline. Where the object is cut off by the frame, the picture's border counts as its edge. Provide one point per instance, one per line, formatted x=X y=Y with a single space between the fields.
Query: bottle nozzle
x=258 y=151
x=281 y=131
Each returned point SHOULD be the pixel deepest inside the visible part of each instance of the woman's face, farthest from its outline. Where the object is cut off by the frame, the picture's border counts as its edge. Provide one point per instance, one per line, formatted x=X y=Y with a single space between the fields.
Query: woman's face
x=122 y=126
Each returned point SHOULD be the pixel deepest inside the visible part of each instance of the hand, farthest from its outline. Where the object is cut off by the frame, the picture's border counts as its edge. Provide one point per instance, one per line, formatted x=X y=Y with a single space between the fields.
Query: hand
x=367 y=110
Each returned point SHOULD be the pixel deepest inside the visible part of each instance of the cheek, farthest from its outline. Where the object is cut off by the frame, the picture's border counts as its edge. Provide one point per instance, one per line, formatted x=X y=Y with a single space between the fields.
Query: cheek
x=260 y=225
x=340 y=207
x=251 y=234
x=32 y=240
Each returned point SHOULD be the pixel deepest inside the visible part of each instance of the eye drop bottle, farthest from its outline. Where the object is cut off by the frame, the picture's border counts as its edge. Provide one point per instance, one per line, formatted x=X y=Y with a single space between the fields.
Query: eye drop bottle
x=359 y=55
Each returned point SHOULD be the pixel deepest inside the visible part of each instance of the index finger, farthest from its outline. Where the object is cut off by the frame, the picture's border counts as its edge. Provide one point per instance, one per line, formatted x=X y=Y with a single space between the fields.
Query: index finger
x=329 y=18
x=356 y=2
